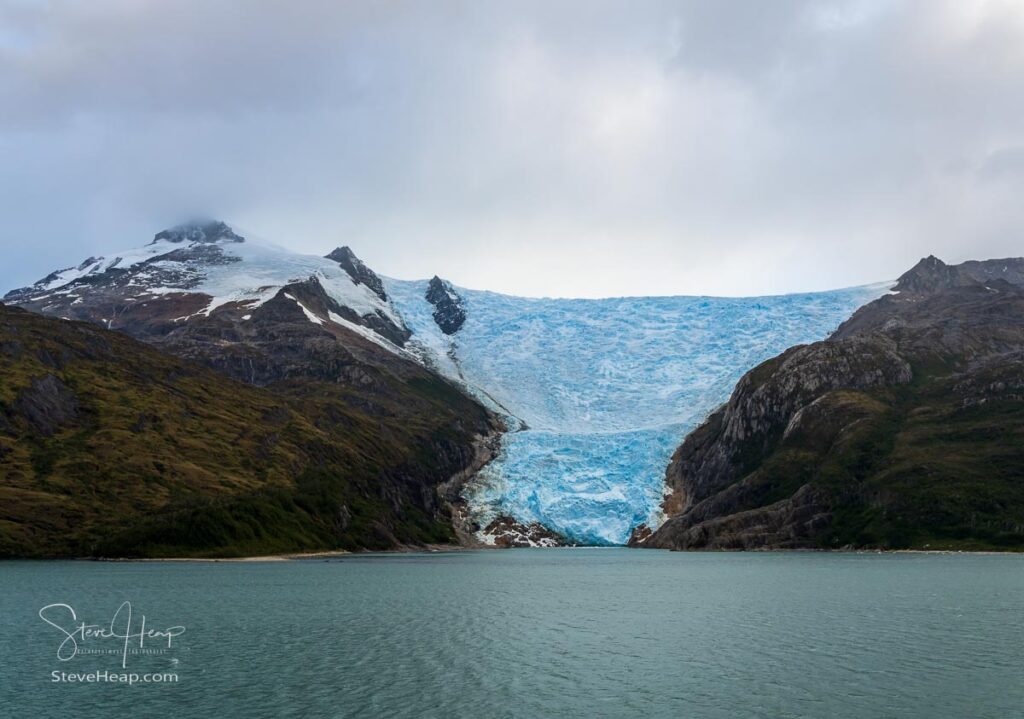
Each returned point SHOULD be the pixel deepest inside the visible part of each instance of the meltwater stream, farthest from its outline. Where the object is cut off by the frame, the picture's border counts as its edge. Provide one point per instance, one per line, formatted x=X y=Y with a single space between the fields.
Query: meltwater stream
x=605 y=390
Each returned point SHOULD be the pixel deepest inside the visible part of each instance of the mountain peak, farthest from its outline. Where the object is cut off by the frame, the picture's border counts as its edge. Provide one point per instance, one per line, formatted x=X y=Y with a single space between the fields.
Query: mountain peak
x=931 y=263
x=932 y=274
x=343 y=254
x=357 y=270
x=205 y=231
x=449 y=313
x=928 y=275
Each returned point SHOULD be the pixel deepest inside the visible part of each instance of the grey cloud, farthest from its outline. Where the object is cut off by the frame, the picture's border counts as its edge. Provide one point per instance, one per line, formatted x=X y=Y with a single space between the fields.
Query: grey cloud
x=570 y=148
x=1004 y=163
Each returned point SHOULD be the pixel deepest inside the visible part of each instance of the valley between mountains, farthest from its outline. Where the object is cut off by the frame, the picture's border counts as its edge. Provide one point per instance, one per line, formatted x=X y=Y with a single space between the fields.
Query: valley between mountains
x=204 y=394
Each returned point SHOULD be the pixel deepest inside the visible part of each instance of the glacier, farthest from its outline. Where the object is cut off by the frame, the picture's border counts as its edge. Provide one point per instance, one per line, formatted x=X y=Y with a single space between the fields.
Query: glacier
x=598 y=393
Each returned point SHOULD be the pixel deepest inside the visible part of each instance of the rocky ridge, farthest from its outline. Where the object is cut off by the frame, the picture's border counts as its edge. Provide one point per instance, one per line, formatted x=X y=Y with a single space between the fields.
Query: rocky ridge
x=449 y=312
x=876 y=436
x=358 y=271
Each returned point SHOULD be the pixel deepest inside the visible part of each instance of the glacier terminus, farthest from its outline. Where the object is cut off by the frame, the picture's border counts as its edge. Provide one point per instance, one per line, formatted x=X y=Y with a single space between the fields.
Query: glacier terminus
x=599 y=392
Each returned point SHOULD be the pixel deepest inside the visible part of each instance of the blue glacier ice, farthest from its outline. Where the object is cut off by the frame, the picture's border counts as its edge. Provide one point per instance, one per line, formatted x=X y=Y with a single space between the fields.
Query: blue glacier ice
x=601 y=392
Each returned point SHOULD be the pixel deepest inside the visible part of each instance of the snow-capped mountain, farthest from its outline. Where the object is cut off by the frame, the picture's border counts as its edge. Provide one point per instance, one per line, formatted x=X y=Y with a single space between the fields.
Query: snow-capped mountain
x=207 y=269
x=597 y=393
x=252 y=310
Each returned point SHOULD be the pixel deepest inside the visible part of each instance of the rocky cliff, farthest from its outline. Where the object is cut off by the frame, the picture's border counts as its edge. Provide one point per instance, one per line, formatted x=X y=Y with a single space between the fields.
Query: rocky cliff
x=904 y=429
x=449 y=313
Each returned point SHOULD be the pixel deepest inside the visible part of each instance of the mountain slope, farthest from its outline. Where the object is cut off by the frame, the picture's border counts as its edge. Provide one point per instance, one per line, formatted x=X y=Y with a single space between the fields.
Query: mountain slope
x=110 y=447
x=257 y=312
x=903 y=429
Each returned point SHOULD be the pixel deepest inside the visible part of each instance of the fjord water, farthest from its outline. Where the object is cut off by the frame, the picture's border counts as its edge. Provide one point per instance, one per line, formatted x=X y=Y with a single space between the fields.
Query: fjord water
x=535 y=633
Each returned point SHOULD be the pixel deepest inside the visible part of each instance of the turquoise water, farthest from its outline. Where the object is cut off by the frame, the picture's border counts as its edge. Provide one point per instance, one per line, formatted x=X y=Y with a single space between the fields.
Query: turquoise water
x=531 y=633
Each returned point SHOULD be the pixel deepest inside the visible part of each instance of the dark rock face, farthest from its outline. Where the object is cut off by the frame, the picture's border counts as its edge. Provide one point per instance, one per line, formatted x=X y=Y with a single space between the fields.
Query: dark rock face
x=932 y=274
x=449 y=313
x=212 y=231
x=950 y=313
x=47 y=405
x=864 y=439
x=640 y=534
x=360 y=273
x=790 y=523
x=311 y=295
x=279 y=341
x=767 y=399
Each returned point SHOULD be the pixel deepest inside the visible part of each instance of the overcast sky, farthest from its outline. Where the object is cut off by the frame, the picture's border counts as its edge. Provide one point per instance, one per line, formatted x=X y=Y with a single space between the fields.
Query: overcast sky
x=551 y=148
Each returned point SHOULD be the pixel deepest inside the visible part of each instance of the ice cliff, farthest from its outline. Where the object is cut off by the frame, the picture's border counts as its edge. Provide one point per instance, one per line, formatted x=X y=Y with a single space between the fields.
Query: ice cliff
x=600 y=392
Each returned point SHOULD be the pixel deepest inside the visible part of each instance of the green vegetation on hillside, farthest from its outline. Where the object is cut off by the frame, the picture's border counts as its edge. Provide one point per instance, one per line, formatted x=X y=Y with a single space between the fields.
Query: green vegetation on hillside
x=109 y=447
x=909 y=467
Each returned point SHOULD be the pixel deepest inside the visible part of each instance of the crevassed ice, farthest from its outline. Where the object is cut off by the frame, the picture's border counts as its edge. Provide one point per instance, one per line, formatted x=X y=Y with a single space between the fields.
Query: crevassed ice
x=605 y=390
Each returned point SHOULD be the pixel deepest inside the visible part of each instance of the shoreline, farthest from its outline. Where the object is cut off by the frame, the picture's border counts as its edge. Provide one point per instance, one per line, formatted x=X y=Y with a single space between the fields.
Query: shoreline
x=451 y=548
x=288 y=556
x=455 y=548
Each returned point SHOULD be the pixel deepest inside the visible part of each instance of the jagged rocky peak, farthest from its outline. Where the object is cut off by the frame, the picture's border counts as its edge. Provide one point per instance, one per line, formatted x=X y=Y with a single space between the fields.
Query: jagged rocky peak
x=358 y=271
x=933 y=275
x=933 y=280
x=449 y=312
x=930 y=275
x=206 y=231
